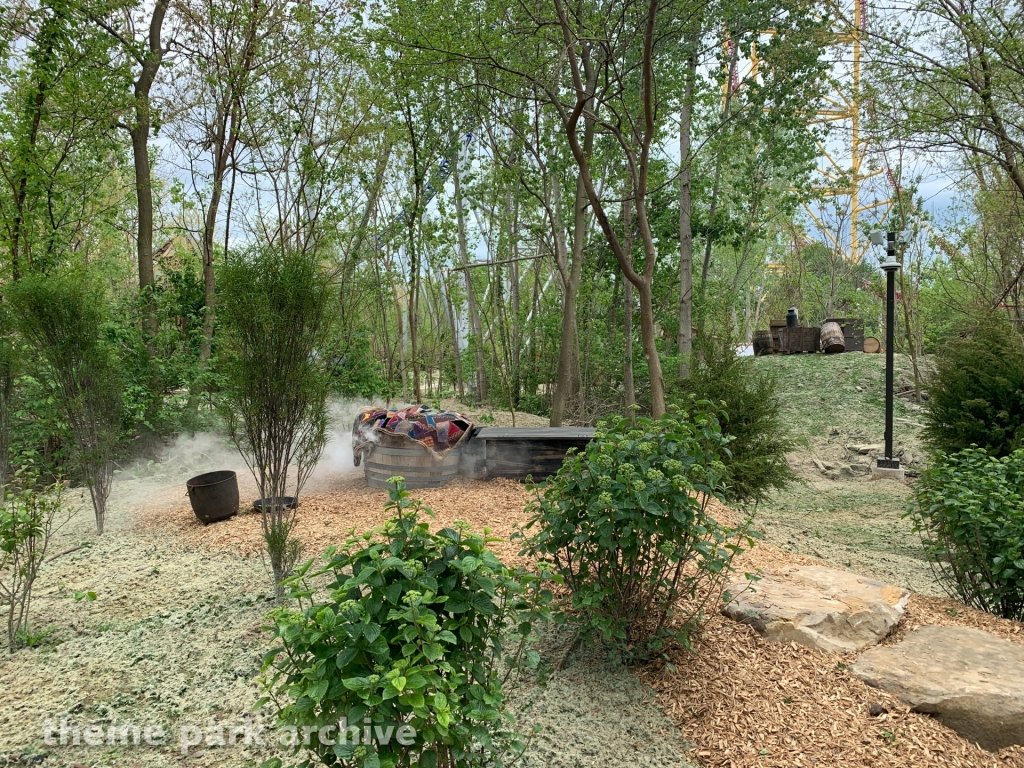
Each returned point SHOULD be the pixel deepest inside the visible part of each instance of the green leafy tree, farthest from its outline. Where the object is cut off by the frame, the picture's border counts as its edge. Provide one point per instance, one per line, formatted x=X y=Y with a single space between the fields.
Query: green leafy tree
x=29 y=515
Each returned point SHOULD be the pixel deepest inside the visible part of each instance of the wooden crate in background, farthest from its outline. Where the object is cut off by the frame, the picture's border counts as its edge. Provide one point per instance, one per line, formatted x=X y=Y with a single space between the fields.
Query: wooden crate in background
x=800 y=339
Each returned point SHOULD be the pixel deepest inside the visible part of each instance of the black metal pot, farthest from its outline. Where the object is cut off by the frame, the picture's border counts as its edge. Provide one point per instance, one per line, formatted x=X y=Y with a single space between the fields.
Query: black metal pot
x=290 y=502
x=214 y=495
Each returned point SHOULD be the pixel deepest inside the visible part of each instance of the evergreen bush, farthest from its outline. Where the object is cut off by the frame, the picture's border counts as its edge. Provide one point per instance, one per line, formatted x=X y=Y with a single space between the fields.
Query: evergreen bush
x=976 y=396
x=969 y=510
x=751 y=415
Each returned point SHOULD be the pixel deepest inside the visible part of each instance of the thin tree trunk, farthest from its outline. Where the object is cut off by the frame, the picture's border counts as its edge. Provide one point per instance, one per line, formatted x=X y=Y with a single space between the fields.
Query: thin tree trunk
x=472 y=308
x=627 y=315
x=717 y=187
x=685 y=339
x=20 y=187
x=139 y=133
x=453 y=322
x=567 y=353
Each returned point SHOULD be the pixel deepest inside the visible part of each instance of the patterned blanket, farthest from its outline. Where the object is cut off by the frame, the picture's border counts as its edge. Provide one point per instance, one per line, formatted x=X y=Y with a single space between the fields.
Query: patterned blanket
x=438 y=431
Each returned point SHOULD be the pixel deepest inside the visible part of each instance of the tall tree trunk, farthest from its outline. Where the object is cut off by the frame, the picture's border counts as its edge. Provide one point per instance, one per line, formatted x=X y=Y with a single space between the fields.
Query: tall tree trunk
x=20 y=185
x=224 y=148
x=685 y=338
x=717 y=186
x=513 y=273
x=568 y=357
x=472 y=308
x=639 y=162
x=454 y=323
x=139 y=132
x=627 y=315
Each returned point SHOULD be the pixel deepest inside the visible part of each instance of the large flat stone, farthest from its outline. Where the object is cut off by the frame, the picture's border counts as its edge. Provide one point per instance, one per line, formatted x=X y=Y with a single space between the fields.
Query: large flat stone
x=822 y=608
x=971 y=680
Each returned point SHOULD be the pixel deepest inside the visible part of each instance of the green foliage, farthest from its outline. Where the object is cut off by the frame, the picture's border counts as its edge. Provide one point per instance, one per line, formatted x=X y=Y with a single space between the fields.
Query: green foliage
x=355 y=371
x=27 y=518
x=627 y=524
x=751 y=416
x=274 y=310
x=62 y=315
x=969 y=510
x=10 y=363
x=419 y=629
x=164 y=382
x=977 y=394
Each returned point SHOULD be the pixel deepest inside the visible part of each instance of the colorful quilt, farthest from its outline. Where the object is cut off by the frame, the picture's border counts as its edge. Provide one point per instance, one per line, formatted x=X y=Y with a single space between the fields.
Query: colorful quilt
x=436 y=430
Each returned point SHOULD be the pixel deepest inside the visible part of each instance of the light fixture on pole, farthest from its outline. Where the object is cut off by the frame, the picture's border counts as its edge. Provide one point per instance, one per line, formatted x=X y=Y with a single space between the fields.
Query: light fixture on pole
x=889 y=464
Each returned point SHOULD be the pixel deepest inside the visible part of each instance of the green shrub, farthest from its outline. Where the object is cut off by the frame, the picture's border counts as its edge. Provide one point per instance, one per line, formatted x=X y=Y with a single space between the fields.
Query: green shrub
x=626 y=524
x=29 y=514
x=969 y=510
x=752 y=417
x=419 y=629
x=275 y=309
x=977 y=394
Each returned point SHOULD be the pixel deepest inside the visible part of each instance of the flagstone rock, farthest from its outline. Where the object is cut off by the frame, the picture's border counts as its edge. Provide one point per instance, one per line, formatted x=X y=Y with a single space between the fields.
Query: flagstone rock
x=971 y=680
x=822 y=608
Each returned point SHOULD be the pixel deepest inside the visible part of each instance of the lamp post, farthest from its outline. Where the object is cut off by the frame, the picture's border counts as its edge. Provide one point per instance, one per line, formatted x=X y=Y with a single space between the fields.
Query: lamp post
x=889 y=465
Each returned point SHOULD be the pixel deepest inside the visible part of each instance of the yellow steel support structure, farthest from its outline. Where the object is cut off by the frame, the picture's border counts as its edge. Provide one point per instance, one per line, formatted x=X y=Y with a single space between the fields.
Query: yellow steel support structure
x=844 y=106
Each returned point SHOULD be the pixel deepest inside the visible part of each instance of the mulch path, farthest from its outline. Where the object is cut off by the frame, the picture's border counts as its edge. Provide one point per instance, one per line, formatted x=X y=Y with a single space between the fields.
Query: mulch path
x=742 y=701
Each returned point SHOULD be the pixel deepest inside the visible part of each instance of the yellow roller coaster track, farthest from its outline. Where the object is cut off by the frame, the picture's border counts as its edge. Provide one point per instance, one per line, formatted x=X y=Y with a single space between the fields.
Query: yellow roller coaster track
x=844 y=105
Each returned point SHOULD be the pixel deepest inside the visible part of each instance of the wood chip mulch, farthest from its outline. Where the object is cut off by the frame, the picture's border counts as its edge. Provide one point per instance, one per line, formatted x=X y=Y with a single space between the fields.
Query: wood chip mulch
x=325 y=518
x=745 y=702
x=742 y=701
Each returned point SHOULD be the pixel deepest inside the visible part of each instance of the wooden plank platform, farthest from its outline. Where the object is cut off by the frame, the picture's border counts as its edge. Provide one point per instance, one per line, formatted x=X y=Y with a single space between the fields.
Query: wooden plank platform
x=533 y=433
x=515 y=453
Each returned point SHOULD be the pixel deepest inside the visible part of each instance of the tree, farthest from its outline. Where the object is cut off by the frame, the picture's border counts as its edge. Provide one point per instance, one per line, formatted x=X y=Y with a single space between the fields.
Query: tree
x=275 y=303
x=59 y=160
x=947 y=77
x=146 y=56
x=63 y=315
x=225 y=52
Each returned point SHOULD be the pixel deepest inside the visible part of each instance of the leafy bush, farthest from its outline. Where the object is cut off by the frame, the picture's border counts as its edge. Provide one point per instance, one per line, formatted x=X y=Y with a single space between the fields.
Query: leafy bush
x=419 y=629
x=756 y=463
x=27 y=519
x=969 y=510
x=626 y=524
x=63 y=316
x=977 y=394
x=274 y=307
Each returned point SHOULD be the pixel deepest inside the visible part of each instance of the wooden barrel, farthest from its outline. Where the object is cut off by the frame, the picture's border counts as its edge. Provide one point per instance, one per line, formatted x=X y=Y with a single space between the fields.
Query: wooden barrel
x=832 y=338
x=763 y=343
x=872 y=345
x=401 y=456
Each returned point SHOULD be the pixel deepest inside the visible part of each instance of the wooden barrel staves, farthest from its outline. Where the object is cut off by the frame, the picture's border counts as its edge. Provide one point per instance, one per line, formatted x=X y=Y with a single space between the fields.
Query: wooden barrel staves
x=763 y=343
x=397 y=455
x=832 y=338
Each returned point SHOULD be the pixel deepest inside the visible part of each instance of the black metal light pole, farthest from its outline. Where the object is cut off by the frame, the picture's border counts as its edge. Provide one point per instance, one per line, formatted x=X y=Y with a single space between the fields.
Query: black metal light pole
x=890 y=266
